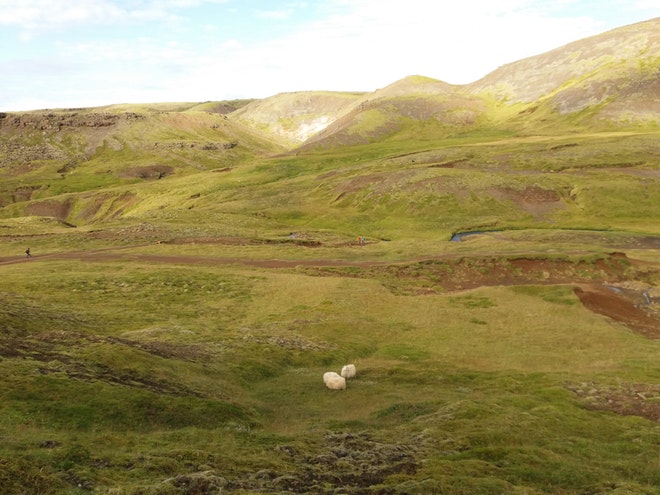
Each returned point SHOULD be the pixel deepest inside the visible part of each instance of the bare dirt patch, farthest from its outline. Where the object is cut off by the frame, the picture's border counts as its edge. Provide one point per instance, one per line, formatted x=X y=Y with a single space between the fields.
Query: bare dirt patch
x=628 y=399
x=621 y=307
x=149 y=172
x=50 y=208
x=24 y=193
x=535 y=200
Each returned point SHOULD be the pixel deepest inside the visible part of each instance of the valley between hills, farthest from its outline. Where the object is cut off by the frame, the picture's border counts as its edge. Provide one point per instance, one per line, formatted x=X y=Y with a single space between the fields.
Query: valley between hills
x=487 y=255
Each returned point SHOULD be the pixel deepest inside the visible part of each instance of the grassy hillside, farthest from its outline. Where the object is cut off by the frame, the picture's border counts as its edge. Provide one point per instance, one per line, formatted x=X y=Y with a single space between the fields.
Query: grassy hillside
x=173 y=341
x=48 y=154
x=196 y=267
x=629 y=48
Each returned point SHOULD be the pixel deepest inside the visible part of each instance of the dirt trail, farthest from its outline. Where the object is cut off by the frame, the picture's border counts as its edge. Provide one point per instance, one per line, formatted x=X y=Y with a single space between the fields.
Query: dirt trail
x=635 y=309
x=110 y=255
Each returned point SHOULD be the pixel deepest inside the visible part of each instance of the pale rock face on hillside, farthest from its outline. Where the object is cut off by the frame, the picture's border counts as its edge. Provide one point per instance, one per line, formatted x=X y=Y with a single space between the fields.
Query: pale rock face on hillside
x=308 y=129
x=292 y=118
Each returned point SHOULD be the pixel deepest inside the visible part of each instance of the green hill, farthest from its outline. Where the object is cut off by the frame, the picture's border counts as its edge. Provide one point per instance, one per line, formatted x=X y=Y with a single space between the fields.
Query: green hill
x=486 y=255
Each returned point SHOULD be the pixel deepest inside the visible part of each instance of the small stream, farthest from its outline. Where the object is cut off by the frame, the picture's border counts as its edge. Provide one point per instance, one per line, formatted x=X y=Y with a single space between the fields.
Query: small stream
x=639 y=298
x=459 y=236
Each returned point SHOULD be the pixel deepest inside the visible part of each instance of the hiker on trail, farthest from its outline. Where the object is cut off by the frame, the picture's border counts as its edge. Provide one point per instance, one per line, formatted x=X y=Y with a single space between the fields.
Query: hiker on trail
x=27 y=253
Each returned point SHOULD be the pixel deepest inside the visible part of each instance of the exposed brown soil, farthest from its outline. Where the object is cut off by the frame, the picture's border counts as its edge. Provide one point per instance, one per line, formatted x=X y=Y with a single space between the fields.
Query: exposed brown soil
x=148 y=172
x=50 y=208
x=619 y=306
x=629 y=399
x=534 y=200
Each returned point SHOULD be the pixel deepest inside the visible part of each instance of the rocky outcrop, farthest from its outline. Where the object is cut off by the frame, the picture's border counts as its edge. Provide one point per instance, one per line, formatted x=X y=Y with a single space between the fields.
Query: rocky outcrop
x=205 y=146
x=56 y=121
x=16 y=154
x=26 y=138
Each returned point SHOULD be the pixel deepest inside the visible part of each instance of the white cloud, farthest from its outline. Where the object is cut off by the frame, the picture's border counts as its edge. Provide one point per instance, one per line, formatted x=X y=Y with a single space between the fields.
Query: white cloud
x=353 y=45
x=275 y=14
x=363 y=45
x=34 y=16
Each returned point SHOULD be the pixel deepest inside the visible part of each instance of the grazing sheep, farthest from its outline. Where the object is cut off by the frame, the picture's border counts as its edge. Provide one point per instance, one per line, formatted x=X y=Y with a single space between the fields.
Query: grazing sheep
x=348 y=371
x=333 y=381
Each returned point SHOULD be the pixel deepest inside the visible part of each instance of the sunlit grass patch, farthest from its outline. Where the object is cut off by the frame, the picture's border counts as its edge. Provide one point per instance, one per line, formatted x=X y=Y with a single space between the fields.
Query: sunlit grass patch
x=555 y=294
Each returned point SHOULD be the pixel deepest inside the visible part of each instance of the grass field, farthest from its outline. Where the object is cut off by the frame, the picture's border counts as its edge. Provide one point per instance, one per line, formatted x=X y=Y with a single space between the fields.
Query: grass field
x=124 y=374
x=169 y=334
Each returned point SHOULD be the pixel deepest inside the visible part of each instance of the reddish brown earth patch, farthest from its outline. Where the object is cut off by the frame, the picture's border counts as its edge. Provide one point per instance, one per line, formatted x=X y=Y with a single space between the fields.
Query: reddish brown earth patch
x=462 y=273
x=50 y=208
x=534 y=200
x=24 y=193
x=628 y=399
x=606 y=301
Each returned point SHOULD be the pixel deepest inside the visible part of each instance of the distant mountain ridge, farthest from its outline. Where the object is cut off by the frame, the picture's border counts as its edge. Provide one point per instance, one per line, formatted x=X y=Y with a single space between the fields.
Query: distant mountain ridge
x=619 y=53
x=615 y=74
x=608 y=80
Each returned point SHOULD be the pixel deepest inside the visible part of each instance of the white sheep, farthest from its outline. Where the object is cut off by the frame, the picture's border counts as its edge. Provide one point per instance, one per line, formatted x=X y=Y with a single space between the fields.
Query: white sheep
x=348 y=371
x=334 y=381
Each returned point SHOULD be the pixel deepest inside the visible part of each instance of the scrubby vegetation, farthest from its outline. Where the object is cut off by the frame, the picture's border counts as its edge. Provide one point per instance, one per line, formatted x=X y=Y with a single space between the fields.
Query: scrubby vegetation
x=195 y=270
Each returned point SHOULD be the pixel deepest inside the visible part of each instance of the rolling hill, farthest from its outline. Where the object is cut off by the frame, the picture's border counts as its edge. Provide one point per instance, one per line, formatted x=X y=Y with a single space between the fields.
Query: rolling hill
x=487 y=255
x=606 y=80
x=604 y=69
x=421 y=145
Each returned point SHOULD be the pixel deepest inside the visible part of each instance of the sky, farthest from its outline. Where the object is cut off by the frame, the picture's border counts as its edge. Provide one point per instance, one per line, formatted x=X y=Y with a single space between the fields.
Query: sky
x=85 y=53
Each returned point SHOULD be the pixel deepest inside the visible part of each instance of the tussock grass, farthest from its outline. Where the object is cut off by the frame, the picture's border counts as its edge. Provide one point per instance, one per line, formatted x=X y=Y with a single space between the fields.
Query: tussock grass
x=158 y=373
x=124 y=371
